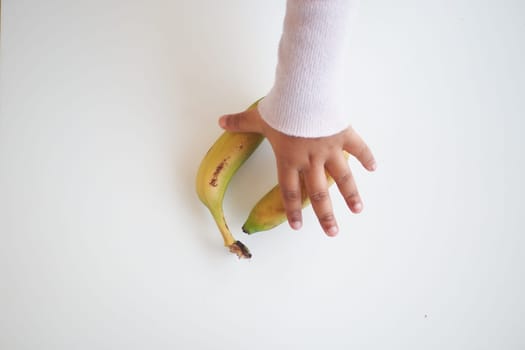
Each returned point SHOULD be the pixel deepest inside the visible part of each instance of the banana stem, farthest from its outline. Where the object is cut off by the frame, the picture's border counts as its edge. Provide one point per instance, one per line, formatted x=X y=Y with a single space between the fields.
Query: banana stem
x=235 y=246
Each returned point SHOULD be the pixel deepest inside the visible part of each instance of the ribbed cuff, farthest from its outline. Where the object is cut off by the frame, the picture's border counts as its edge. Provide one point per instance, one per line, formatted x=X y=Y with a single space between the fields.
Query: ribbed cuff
x=306 y=99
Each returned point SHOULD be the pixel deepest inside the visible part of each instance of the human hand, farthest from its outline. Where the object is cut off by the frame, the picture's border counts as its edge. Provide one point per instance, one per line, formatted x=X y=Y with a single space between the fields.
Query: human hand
x=308 y=158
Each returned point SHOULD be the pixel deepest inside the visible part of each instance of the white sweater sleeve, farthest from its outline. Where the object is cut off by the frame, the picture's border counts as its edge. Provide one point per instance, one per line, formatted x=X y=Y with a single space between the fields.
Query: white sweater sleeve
x=306 y=98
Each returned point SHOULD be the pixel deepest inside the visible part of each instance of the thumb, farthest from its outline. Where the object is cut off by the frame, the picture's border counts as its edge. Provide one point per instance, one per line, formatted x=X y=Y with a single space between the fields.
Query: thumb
x=247 y=121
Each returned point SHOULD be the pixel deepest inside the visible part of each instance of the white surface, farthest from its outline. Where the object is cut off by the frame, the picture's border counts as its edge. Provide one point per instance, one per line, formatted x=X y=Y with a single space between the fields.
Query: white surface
x=107 y=108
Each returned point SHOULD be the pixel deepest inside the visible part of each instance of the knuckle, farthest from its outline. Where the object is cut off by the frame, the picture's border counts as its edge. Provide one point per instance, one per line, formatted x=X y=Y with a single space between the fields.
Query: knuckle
x=236 y=121
x=233 y=121
x=291 y=195
x=344 y=179
x=319 y=196
x=294 y=215
x=352 y=197
x=327 y=218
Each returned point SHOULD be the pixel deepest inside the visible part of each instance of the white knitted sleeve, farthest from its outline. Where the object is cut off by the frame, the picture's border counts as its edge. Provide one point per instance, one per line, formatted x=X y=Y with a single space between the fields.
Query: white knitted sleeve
x=306 y=98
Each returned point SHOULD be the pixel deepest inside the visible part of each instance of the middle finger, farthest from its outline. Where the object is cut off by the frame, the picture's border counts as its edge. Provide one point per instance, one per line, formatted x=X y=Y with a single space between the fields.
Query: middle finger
x=317 y=188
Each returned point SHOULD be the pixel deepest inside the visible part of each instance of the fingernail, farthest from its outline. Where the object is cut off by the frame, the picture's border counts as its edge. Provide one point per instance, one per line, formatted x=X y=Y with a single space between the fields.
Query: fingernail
x=332 y=231
x=373 y=166
x=296 y=225
x=358 y=207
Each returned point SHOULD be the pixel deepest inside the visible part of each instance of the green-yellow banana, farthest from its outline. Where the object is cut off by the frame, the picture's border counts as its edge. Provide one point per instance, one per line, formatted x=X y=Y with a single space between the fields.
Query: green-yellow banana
x=216 y=170
x=269 y=211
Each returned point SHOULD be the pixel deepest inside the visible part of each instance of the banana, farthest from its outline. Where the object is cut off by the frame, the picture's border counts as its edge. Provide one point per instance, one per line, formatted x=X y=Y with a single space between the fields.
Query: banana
x=269 y=211
x=216 y=170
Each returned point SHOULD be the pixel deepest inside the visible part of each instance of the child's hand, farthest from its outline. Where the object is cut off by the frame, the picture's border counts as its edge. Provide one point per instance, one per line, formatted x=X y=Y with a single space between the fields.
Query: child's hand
x=309 y=157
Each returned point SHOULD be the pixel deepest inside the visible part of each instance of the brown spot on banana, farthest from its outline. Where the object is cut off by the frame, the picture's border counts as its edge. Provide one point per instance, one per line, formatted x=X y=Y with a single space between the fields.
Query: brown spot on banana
x=214 y=179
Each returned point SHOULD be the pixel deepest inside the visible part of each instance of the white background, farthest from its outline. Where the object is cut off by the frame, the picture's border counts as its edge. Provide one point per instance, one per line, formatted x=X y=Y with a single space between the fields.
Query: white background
x=107 y=108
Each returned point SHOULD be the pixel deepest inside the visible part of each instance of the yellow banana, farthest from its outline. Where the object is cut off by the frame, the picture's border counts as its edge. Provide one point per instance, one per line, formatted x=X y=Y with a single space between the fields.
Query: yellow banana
x=269 y=211
x=216 y=170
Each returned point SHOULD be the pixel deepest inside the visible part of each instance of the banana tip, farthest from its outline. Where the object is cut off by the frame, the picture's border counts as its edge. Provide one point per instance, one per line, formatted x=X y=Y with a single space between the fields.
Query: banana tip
x=251 y=229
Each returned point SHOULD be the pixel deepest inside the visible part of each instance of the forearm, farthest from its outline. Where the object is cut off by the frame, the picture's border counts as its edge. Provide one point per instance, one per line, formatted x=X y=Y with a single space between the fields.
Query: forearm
x=306 y=99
